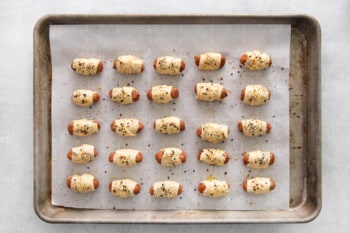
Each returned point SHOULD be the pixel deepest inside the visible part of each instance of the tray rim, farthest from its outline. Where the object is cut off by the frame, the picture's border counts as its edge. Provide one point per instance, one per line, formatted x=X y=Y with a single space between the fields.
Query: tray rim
x=42 y=69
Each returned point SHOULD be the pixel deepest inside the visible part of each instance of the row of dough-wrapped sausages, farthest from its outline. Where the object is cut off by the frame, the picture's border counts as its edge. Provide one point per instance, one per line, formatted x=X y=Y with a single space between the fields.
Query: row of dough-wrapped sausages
x=170 y=157
x=168 y=65
x=127 y=188
x=130 y=127
x=251 y=94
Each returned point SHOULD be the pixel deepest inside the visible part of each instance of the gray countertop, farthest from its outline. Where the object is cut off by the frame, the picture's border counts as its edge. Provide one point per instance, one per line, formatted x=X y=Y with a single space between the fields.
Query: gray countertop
x=17 y=19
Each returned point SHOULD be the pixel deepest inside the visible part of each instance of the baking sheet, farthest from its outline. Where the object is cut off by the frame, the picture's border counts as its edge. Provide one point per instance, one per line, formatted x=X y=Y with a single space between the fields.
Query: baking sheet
x=108 y=42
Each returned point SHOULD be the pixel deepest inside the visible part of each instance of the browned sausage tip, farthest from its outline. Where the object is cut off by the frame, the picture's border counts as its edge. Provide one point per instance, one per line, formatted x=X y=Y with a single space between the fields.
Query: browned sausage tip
x=199 y=153
x=70 y=128
x=140 y=127
x=240 y=126
x=174 y=92
x=182 y=125
x=95 y=97
x=155 y=63
x=227 y=157
x=111 y=157
x=110 y=93
x=69 y=181
x=159 y=156
x=149 y=94
x=201 y=187
x=245 y=185
x=138 y=158
x=223 y=93
x=99 y=67
x=243 y=59
x=69 y=154
x=110 y=187
x=245 y=158
x=137 y=189
x=135 y=95
x=242 y=94
x=183 y=157
x=272 y=158
x=96 y=183
x=197 y=59
x=179 y=190
x=113 y=126
x=151 y=190
x=268 y=127
x=182 y=66
x=272 y=184
x=98 y=124
x=199 y=132
x=223 y=61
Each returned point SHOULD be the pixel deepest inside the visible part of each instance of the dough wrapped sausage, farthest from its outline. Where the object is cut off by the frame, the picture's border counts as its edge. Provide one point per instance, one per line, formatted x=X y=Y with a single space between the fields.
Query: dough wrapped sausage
x=124 y=95
x=85 y=97
x=254 y=127
x=87 y=66
x=124 y=188
x=83 y=127
x=82 y=154
x=127 y=127
x=215 y=157
x=167 y=188
x=210 y=61
x=128 y=64
x=171 y=156
x=169 y=65
x=82 y=183
x=259 y=185
x=162 y=94
x=209 y=91
x=255 y=95
x=213 y=132
x=214 y=188
x=169 y=125
x=258 y=159
x=125 y=157
x=256 y=60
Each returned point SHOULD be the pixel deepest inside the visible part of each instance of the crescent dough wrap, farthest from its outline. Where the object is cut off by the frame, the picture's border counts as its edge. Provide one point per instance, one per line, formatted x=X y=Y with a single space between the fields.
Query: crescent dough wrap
x=123 y=188
x=128 y=64
x=86 y=66
x=214 y=133
x=125 y=157
x=168 y=65
x=215 y=188
x=255 y=95
x=171 y=157
x=82 y=183
x=83 y=97
x=254 y=127
x=210 y=61
x=168 y=125
x=123 y=95
x=209 y=91
x=257 y=60
x=259 y=159
x=83 y=153
x=84 y=127
x=213 y=156
x=258 y=185
x=126 y=127
x=162 y=94
x=168 y=189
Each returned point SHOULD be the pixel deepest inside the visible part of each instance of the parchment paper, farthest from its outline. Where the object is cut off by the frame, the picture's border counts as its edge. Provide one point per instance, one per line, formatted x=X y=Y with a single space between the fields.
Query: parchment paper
x=107 y=42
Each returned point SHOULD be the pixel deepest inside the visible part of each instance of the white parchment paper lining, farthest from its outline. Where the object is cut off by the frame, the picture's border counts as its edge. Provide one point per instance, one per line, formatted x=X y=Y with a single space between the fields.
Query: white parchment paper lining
x=107 y=42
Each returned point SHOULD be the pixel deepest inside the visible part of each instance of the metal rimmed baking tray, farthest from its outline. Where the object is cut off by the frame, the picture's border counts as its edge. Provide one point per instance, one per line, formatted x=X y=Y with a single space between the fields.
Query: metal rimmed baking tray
x=305 y=131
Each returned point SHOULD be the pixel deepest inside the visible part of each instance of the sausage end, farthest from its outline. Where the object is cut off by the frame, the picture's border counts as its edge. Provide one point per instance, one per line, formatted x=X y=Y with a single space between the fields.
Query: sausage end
x=137 y=189
x=201 y=187
x=135 y=95
x=240 y=126
x=272 y=158
x=243 y=59
x=138 y=158
x=199 y=132
x=182 y=125
x=149 y=95
x=70 y=128
x=197 y=59
x=244 y=185
x=69 y=154
x=174 y=92
x=272 y=184
x=111 y=157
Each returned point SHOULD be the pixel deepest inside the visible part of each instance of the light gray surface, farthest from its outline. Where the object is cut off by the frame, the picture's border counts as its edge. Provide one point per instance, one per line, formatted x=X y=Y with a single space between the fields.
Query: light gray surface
x=17 y=19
